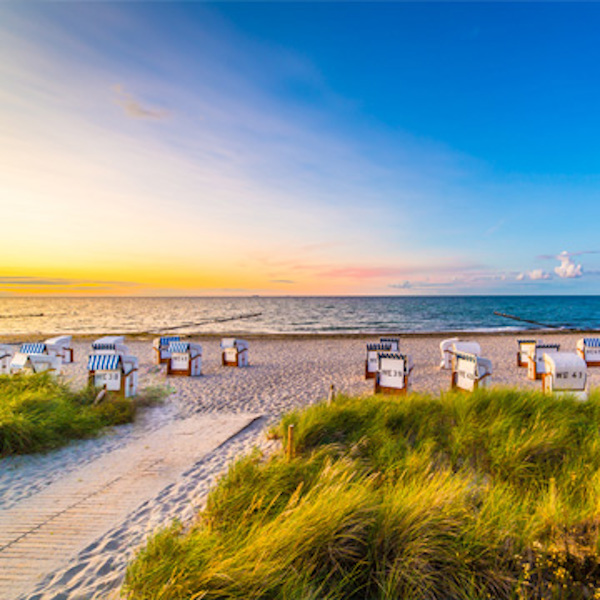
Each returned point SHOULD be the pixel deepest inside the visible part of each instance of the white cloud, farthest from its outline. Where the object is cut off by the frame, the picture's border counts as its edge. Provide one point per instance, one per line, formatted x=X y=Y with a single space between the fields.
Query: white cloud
x=567 y=269
x=539 y=274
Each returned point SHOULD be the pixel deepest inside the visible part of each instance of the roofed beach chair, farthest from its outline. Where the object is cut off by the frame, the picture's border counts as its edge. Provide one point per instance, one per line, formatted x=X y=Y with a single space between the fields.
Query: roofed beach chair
x=466 y=348
x=161 y=348
x=525 y=347
x=116 y=373
x=470 y=372
x=110 y=344
x=395 y=342
x=61 y=346
x=446 y=350
x=372 y=360
x=30 y=362
x=234 y=352
x=536 y=366
x=186 y=359
x=565 y=373
x=6 y=354
x=393 y=373
x=589 y=350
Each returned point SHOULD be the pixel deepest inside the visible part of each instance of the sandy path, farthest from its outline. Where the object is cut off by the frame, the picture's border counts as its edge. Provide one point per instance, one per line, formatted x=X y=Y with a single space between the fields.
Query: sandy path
x=42 y=533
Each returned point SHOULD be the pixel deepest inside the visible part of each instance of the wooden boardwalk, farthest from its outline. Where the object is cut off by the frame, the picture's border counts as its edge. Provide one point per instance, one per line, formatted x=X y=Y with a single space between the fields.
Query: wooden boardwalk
x=42 y=533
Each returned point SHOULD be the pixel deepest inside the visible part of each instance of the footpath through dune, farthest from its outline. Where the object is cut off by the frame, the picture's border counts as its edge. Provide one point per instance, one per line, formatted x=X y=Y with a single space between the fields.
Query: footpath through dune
x=42 y=533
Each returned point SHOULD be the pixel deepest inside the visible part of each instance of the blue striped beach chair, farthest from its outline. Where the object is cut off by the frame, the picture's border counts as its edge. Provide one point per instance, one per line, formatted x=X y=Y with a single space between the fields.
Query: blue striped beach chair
x=589 y=350
x=162 y=354
x=186 y=359
x=117 y=373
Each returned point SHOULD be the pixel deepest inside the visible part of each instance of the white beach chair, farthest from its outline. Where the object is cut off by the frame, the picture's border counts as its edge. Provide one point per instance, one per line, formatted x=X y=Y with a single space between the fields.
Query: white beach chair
x=465 y=347
x=446 y=350
x=536 y=366
x=372 y=360
x=114 y=372
x=526 y=347
x=161 y=348
x=470 y=372
x=6 y=354
x=110 y=344
x=589 y=350
x=393 y=373
x=61 y=346
x=34 y=363
x=394 y=342
x=565 y=373
x=234 y=352
x=186 y=359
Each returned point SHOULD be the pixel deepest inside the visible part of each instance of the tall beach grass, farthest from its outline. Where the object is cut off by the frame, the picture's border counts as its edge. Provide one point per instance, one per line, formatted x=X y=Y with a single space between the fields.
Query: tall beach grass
x=489 y=495
x=39 y=412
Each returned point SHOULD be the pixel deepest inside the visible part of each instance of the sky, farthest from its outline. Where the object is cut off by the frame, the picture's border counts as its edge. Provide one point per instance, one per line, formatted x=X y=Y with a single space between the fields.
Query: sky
x=297 y=148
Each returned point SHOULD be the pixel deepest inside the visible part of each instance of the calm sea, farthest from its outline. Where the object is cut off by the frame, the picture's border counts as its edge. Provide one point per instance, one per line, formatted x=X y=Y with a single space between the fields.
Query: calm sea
x=293 y=314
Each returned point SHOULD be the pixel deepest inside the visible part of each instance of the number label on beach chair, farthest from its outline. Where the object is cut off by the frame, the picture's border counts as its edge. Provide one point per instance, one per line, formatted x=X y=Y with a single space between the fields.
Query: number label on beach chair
x=392 y=373
x=109 y=379
x=565 y=373
x=589 y=350
x=466 y=373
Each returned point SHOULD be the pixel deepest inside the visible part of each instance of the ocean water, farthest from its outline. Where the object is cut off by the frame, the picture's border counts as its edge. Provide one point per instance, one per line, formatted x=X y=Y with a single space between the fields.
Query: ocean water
x=294 y=314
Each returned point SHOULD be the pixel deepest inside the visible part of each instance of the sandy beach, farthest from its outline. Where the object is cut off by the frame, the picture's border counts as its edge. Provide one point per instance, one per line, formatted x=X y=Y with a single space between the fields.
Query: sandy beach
x=284 y=373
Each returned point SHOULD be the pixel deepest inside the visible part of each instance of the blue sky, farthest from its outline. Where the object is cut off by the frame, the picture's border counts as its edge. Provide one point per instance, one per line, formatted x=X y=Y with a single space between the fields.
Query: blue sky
x=300 y=148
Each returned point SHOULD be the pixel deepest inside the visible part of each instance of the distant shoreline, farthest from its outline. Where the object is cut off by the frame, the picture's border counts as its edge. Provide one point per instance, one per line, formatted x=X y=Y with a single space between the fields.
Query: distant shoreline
x=144 y=335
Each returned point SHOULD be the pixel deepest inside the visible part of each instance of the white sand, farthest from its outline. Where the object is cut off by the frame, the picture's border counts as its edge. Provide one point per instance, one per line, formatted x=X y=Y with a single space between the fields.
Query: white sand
x=284 y=374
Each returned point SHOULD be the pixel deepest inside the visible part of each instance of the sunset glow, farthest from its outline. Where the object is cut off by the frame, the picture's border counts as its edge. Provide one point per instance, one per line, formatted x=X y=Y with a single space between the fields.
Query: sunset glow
x=298 y=148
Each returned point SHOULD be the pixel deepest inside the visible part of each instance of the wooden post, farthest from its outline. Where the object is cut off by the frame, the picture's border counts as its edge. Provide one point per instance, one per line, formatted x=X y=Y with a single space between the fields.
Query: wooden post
x=290 y=442
x=331 y=396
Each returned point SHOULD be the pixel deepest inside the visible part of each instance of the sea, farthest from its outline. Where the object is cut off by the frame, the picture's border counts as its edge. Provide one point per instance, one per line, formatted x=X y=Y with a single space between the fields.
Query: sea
x=295 y=315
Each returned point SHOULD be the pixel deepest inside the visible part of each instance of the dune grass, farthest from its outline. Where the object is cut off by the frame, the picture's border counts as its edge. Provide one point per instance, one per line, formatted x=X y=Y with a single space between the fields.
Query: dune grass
x=489 y=495
x=38 y=412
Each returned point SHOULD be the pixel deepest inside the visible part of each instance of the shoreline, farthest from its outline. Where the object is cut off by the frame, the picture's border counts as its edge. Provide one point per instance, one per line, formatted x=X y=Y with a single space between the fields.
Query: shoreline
x=141 y=336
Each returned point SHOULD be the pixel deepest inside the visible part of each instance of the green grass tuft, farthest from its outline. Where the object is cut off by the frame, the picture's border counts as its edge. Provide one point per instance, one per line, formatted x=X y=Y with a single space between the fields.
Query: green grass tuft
x=37 y=413
x=489 y=495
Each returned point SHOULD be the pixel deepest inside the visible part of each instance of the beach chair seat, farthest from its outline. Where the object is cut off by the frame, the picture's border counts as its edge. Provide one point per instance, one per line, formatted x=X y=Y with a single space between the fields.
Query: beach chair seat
x=234 y=352
x=160 y=346
x=61 y=346
x=186 y=359
x=589 y=350
x=536 y=365
x=393 y=341
x=393 y=373
x=34 y=363
x=110 y=344
x=116 y=373
x=446 y=351
x=372 y=360
x=526 y=347
x=6 y=354
x=565 y=373
x=470 y=372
